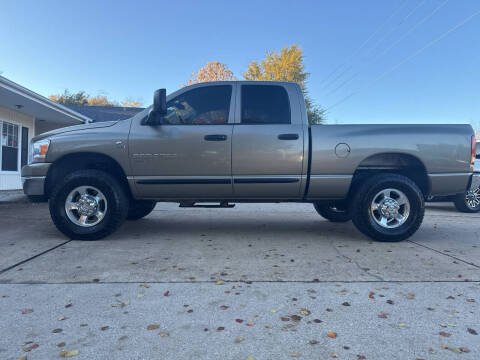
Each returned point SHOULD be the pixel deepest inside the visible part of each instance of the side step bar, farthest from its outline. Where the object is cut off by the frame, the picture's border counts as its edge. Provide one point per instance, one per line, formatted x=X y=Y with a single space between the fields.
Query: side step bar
x=192 y=204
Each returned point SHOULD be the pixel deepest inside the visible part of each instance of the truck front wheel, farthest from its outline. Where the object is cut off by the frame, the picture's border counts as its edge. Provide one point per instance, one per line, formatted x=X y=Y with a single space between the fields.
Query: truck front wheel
x=333 y=211
x=140 y=208
x=88 y=205
x=388 y=207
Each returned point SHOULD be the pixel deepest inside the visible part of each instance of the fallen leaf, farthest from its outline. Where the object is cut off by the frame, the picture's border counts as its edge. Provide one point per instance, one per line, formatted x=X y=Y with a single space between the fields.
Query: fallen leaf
x=334 y=355
x=383 y=315
x=295 y=317
x=295 y=354
x=250 y=323
x=22 y=358
x=164 y=334
x=410 y=296
x=443 y=333
x=472 y=331
x=153 y=327
x=273 y=311
x=268 y=326
x=27 y=311
x=239 y=321
x=371 y=295
x=30 y=348
x=284 y=318
x=224 y=307
x=239 y=339
x=219 y=282
x=250 y=357
x=65 y=353
x=181 y=269
x=402 y=324
x=332 y=334
x=61 y=318
x=62 y=344
x=220 y=328
x=140 y=296
x=166 y=293
x=144 y=286
x=305 y=312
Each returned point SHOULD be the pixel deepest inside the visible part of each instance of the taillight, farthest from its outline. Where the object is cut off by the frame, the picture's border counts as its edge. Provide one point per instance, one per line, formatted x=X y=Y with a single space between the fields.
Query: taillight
x=474 y=150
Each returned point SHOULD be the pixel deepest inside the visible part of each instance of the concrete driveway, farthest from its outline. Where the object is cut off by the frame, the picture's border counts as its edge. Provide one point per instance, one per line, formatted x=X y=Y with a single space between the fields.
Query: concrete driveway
x=263 y=281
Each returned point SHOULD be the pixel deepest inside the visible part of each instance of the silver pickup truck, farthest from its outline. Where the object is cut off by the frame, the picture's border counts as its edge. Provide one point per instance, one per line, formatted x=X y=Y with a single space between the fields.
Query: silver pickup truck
x=220 y=143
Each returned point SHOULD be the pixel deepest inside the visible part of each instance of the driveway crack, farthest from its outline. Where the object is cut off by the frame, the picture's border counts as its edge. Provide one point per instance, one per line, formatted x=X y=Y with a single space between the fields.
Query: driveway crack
x=442 y=253
x=355 y=262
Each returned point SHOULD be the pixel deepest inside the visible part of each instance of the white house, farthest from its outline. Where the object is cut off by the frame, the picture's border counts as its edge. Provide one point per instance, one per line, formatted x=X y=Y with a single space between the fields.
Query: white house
x=24 y=114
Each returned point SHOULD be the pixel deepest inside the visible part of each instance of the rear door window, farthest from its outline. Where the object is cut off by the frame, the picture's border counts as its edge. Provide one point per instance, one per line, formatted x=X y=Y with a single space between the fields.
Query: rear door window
x=265 y=104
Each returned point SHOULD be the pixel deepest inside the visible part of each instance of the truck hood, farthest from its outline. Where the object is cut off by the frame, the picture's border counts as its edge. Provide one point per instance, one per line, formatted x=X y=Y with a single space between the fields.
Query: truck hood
x=74 y=128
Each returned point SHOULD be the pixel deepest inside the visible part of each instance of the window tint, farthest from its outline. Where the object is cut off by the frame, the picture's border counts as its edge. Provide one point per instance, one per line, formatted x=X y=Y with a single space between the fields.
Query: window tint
x=265 y=104
x=207 y=105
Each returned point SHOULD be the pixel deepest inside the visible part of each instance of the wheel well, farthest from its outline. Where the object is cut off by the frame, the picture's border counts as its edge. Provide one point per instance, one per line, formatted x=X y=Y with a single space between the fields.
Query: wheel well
x=402 y=164
x=83 y=161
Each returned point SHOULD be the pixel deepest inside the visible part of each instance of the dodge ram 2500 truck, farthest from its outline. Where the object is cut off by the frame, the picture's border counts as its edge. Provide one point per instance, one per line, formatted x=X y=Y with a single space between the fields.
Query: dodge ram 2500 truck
x=228 y=142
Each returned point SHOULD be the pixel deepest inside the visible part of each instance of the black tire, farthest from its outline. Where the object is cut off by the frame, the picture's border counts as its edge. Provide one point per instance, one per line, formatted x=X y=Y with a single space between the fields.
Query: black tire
x=333 y=211
x=140 y=208
x=115 y=214
x=463 y=205
x=364 y=219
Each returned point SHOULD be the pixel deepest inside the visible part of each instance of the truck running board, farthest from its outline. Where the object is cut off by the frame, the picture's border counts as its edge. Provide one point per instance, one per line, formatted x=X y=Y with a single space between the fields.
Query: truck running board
x=190 y=204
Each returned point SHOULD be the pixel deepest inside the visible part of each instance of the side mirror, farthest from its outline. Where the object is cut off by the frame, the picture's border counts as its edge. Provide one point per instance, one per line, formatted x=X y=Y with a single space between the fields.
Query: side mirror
x=159 y=107
x=160 y=101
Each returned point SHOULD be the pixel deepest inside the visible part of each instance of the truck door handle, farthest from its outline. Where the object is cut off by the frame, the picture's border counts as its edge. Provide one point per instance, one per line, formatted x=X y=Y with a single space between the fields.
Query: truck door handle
x=288 y=137
x=215 y=137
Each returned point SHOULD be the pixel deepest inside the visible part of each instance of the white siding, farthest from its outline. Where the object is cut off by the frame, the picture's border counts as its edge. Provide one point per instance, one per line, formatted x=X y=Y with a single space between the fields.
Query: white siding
x=12 y=180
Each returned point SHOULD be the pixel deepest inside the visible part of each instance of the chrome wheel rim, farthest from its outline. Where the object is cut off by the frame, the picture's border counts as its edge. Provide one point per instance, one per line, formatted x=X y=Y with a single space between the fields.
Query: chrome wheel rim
x=472 y=198
x=86 y=206
x=390 y=208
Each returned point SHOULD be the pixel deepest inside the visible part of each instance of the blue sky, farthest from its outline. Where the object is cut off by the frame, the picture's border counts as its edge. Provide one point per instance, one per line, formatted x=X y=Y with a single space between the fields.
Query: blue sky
x=130 y=48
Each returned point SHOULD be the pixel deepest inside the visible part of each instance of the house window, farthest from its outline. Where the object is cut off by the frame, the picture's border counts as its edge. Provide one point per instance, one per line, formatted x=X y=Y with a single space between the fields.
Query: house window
x=9 y=140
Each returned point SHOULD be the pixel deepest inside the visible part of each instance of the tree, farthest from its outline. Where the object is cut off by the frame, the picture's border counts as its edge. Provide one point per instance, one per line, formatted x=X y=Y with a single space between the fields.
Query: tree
x=129 y=102
x=100 y=100
x=212 y=71
x=68 y=98
x=286 y=65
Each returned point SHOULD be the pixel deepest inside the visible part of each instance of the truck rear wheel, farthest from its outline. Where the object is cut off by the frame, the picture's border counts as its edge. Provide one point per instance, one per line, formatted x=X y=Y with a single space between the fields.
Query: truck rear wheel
x=140 y=208
x=88 y=205
x=388 y=207
x=333 y=211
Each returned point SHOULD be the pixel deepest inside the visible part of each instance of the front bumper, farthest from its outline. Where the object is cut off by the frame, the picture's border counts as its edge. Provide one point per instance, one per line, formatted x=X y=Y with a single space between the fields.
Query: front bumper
x=34 y=177
x=34 y=185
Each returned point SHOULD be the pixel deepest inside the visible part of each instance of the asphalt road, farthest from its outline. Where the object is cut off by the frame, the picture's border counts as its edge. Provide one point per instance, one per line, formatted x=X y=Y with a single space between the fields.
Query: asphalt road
x=263 y=281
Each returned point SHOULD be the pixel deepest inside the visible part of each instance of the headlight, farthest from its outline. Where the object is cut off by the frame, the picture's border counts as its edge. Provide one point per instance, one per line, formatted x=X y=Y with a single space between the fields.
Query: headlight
x=39 y=150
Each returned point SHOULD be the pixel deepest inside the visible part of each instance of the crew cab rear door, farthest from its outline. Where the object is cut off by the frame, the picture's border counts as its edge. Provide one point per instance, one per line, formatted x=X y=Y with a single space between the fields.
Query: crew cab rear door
x=268 y=142
x=188 y=155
